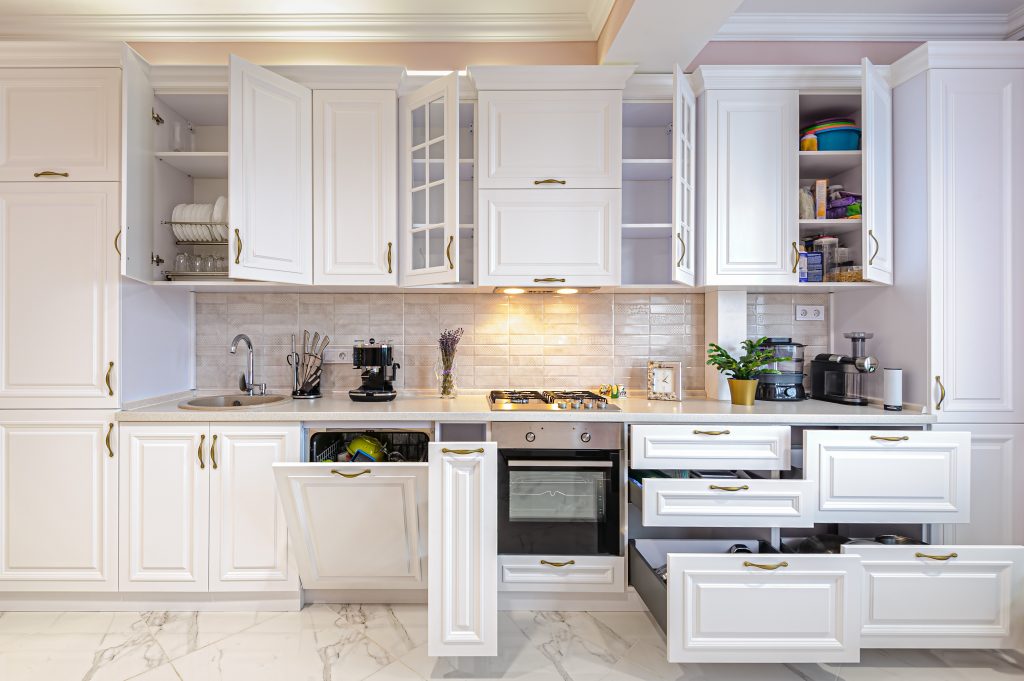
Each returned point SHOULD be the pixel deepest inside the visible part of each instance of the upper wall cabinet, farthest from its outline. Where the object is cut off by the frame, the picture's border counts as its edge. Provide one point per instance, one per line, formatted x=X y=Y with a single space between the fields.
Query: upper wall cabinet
x=570 y=139
x=876 y=236
x=60 y=125
x=354 y=181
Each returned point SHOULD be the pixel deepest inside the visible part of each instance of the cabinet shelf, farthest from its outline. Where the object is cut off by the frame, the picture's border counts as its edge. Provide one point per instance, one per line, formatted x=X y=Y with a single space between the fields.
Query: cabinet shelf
x=822 y=165
x=650 y=230
x=834 y=227
x=646 y=169
x=197 y=164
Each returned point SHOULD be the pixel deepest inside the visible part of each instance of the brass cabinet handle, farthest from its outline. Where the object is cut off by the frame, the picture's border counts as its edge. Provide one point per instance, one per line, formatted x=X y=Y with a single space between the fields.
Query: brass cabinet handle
x=448 y=252
x=729 y=489
x=796 y=257
x=365 y=471
x=549 y=280
x=878 y=247
x=549 y=181
x=942 y=393
x=711 y=432
x=199 y=452
x=49 y=173
x=110 y=431
x=548 y=562
x=213 y=452
x=765 y=566
x=110 y=388
x=462 y=452
x=117 y=244
x=238 y=247
x=934 y=557
x=682 y=242
x=890 y=438
x=389 y=257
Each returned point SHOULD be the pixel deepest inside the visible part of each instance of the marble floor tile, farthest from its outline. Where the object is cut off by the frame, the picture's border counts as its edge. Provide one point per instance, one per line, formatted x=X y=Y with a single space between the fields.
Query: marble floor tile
x=938 y=665
x=581 y=647
x=180 y=633
x=278 y=656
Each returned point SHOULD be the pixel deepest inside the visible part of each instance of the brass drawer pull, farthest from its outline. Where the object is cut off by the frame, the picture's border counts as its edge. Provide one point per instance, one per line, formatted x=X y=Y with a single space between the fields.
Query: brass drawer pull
x=213 y=452
x=117 y=244
x=739 y=488
x=462 y=452
x=942 y=393
x=796 y=257
x=199 y=452
x=110 y=431
x=448 y=252
x=934 y=557
x=549 y=280
x=682 y=243
x=711 y=432
x=365 y=471
x=549 y=181
x=110 y=388
x=890 y=438
x=49 y=173
x=548 y=562
x=238 y=247
x=389 y=257
x=765 y=566
x=878 y=247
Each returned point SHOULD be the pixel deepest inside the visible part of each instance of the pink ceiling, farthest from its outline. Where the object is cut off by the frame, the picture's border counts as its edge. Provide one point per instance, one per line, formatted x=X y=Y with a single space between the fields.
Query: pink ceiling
x=766 y=52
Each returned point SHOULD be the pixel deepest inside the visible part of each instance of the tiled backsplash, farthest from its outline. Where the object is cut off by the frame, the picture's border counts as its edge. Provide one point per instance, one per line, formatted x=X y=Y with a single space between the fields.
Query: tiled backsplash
x=518 y=341
x=773 y=315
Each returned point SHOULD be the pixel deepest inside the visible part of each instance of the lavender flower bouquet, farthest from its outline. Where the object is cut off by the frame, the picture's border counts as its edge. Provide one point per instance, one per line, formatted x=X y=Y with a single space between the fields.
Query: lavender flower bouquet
x=447 y=345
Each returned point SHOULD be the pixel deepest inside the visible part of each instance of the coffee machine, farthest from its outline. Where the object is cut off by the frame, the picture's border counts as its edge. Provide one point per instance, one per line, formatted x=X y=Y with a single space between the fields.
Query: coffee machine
x=839 y=378
x=373 y=359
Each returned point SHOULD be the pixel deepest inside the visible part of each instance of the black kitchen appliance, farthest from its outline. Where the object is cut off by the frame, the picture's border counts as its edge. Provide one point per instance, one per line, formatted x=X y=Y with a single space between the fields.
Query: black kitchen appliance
x=559 y=488
x=788 y=384
x=373 y=359
x=840 y=378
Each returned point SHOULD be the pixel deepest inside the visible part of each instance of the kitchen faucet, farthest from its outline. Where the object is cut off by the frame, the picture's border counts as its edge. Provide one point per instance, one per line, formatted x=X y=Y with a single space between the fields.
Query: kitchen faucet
x=248 y=382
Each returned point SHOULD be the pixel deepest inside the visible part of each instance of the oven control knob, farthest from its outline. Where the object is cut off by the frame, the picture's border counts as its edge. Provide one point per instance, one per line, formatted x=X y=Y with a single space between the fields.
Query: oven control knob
x=531 y=436
x=577 y=405
x=585 y=437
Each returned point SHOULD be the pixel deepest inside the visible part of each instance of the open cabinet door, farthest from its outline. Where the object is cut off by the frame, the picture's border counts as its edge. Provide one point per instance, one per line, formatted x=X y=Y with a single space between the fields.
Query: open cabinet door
x=684 y=115
x=429 y=219
x=135 y=243
x=270 y=176
x=876 y=108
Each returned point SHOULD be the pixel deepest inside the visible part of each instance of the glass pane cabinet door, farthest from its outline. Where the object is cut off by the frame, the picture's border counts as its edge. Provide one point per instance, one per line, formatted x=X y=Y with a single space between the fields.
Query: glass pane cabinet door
x=684 y=108
x=429 y=122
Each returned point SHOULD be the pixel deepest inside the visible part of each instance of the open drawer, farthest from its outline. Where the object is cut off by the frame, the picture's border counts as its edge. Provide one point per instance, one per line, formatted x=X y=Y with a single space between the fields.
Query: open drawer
x=941 y=596
x=356 y=525
x=709 y=446
x=710 y=502
x=888 y=476
x=764 y=607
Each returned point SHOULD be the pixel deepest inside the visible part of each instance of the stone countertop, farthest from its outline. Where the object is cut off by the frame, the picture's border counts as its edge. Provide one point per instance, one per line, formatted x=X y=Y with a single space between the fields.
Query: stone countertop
x=474 y=409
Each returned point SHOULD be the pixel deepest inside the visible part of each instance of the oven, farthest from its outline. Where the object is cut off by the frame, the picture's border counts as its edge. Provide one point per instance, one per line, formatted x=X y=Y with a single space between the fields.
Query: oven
x=560 y=488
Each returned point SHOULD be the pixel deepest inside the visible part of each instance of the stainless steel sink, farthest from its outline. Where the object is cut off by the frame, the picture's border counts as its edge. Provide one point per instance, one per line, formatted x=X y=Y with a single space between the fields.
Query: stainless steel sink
x=229 y=402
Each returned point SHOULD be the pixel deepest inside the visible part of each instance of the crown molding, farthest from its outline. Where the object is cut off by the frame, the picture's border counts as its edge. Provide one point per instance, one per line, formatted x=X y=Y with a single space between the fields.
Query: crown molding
x=838 y=78
x=855 y=26
x=649 y=86
x=958 y=55
x=30 y=53
x=576 y=77
x=597 y=14
x=1015 y=21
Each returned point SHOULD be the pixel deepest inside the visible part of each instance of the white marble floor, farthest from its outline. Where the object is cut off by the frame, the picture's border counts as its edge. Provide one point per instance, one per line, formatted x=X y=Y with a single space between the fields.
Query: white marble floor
x=388 y=643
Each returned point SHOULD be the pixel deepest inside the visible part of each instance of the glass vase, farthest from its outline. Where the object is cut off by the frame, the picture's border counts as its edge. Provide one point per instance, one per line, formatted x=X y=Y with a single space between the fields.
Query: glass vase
x=446 y=371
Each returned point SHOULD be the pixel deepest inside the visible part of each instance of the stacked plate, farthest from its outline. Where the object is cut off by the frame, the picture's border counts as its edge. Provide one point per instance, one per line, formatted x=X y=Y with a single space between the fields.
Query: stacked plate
x=200 y=221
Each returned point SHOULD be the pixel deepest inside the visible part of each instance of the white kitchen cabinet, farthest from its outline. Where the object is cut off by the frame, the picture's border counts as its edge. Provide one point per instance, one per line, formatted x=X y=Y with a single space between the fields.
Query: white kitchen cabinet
x=945 y=596
x=58 y=517
x=684 y=179
x=709 y=502
x=546 y=238
x=354 y=187
x=550 y=139
x=556 y=573
x=60 y=125
x=59 y=295
x=751 y=180
x=462 y=600
x=889 y=476
x=269 y=176
x=323 y=504
x=876 y=143
x=709 y=447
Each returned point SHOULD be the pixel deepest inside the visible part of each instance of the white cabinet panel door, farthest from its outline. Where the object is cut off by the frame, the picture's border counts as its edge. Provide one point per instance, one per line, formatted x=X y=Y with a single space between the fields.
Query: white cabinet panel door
x=750 y=174
x=876 y=110
x=164 y=507
x=60 y=125
x=675 y=502
x=946 y=596
x=684 y=179
x=763 y=608
x=976 y=149
x=354 y=183
x=550 y=238
x=890 y=476
x=550 y=139
x=58 y=502
x=270 y=184
x=709 y=446
x=137 y=238
x=248 y=536
x=59 y=279
x=462 y=591
x=356 y=526
x=561 y=573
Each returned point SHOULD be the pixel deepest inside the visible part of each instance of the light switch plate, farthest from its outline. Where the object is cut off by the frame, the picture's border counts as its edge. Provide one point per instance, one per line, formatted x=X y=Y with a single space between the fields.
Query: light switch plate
x=810 y=313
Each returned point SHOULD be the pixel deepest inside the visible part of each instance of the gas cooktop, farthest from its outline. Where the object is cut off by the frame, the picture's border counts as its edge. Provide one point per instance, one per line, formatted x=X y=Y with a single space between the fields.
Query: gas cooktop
x=547 y=400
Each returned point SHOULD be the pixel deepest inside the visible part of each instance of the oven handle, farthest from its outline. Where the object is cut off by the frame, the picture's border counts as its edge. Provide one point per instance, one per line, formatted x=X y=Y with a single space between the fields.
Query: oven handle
x=525 y=463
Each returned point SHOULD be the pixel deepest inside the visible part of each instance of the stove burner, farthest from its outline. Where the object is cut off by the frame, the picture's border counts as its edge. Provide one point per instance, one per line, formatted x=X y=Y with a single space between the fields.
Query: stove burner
x=548 y=399
x=515 y=396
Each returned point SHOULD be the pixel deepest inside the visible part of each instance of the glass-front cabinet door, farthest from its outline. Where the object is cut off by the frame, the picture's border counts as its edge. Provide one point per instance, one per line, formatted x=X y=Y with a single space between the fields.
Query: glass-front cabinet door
x=684 y=110
x=429 y=139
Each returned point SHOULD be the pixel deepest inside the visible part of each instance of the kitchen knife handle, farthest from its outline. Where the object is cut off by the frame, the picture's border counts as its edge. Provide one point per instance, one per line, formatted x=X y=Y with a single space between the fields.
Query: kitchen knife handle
x=766 y=566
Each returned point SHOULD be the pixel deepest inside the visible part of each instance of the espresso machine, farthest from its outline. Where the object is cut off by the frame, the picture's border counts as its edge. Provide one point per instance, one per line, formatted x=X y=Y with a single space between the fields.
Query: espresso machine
x=373 y=359
x=840 y=378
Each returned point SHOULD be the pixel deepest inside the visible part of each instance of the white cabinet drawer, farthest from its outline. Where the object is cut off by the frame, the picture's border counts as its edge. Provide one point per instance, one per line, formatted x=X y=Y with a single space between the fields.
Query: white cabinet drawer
x=889 y=476
x=561 y=573
x=762 y=608
x=573 y=138
x=708 y=502
x=672 y=447
x=962 y=597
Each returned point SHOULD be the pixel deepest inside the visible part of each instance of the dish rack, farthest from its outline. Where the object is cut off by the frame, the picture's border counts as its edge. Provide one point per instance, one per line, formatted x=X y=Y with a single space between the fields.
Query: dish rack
x=217 y=231
x=401 y=445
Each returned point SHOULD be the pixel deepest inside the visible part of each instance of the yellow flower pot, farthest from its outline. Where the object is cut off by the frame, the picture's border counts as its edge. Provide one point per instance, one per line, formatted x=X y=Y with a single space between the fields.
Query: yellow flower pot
x=742 y=391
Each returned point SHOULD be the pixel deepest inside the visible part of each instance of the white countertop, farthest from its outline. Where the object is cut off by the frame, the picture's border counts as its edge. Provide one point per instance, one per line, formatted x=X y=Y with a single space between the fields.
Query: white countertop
x=474 y=408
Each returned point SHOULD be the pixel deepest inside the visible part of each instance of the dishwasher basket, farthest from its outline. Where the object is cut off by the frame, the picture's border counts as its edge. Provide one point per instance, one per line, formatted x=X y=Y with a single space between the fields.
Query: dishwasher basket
x=401 y=445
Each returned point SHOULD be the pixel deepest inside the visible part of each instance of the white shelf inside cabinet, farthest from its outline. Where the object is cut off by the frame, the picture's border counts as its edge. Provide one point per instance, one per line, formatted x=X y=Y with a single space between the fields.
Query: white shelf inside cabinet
x=197 y=164
x=822 y=165
x=646 y=230
x=831 y=227
x=646 y=169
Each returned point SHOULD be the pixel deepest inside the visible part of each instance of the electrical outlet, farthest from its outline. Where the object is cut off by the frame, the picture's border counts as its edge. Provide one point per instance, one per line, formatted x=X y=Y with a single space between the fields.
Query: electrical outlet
x=810 y=313
x=334 y=356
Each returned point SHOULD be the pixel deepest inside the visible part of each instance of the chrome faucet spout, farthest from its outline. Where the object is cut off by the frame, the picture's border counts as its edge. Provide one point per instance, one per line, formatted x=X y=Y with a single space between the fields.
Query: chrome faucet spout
x=249 y=380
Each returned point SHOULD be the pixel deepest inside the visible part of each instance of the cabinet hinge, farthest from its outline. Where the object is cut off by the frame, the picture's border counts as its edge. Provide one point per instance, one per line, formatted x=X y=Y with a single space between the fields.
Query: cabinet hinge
x=157 y=118
x=156 y=259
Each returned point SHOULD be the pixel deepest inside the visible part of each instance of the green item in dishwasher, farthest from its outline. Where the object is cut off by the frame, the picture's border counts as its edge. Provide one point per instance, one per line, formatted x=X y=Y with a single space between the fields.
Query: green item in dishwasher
x=366 y=448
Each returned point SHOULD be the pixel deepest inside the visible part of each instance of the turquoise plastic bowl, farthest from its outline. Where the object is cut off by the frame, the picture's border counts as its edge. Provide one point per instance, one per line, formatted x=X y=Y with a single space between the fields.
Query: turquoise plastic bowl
x=838 y=140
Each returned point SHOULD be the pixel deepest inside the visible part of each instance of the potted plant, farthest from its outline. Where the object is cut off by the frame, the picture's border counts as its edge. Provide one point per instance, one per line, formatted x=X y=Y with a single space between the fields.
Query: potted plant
x=742 y=373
